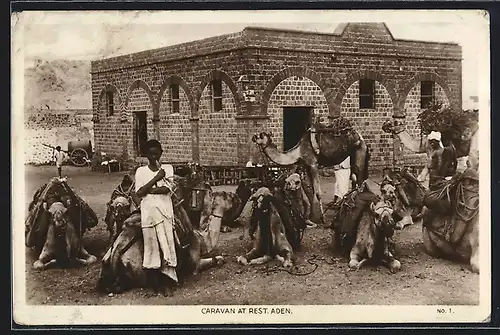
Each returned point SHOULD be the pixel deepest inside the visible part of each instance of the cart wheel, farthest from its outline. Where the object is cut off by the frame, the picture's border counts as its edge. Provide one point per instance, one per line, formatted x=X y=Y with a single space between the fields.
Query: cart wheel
x=79 y=157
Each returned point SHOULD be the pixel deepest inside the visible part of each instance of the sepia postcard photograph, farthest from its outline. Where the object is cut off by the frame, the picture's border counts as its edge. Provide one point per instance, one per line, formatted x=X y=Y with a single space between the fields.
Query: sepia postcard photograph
x=250 y=167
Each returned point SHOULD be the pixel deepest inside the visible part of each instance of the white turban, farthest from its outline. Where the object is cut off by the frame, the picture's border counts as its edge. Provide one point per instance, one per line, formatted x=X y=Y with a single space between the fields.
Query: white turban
x=434 y=135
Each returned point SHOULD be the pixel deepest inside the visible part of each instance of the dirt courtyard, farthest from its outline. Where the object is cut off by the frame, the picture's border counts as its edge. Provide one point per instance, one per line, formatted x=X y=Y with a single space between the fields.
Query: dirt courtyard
x=422 y=280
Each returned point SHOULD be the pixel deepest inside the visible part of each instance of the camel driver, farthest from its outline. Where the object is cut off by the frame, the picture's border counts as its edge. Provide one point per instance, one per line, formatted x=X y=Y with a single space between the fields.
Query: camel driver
x=157 y=220
x=59 y=158
x=342 y=178
x=441 y=162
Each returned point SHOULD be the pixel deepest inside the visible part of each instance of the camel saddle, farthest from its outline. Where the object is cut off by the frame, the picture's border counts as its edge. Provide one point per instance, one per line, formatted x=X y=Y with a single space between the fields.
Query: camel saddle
x=450 y=222
x=330 y=141
x=347 y=213
x=38 y=220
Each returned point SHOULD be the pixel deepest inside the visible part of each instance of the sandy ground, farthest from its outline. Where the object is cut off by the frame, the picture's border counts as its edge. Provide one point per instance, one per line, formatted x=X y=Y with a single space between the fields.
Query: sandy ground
x=423 y=280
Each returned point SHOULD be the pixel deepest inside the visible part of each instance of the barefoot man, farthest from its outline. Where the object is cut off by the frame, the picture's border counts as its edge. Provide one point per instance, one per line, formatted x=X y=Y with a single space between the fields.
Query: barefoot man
x=157 y=219
x=59 y=158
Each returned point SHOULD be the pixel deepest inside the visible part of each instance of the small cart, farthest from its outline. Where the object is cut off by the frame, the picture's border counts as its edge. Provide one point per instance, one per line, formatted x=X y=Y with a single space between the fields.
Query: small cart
x=79 y=152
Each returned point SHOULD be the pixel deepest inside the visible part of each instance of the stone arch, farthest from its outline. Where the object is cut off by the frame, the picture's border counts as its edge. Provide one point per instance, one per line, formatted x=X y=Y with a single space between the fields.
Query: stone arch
x=215 y=133
x=298 y=71
x=175 y=129
x=217 y=75
x=356 y=76
x=427 y=76
x=139 y=83
x=129 y=136
x=294 y=92
x=178 y=81
x=368 y=122
x=108 y=87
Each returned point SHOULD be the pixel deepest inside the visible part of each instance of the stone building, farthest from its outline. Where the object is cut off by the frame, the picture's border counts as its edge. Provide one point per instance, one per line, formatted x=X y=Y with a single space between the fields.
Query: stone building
x=205 y=99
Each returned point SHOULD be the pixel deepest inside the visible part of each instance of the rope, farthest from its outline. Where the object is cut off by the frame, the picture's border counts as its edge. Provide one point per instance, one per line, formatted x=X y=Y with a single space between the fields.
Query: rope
x=460 y=202
x=311 y=261
x=80 y=214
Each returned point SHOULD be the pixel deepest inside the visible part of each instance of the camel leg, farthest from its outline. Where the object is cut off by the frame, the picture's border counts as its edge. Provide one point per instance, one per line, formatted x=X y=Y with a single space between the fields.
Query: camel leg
x=474 y=247
x=260 y=260
x=311 y=224
x=392 y=263
x=44 y=261
x=86 y=257
x=207 y=263
x=252 y=254
x=313 y=170
x=355 y=259
x=429 y=245
x=286 y=260
x=195 y=255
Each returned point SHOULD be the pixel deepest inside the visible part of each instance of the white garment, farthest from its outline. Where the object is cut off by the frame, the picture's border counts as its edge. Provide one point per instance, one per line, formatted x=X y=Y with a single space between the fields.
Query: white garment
x=462 y=163
x=434 y=135
x=157 y=222
x=473 y=158
x=342 y=182
x=59 y=156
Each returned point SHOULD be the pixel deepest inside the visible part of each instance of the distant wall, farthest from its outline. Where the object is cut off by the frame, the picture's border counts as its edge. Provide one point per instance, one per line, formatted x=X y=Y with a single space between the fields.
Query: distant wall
x=54 y=127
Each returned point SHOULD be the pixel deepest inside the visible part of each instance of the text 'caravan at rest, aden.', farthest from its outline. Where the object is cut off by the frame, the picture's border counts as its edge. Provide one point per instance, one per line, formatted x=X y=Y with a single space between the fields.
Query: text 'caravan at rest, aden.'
x=246 y=310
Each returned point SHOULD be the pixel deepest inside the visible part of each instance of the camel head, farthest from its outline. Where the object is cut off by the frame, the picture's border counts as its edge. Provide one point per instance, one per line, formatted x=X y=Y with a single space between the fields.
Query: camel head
x=393 y=126
x=259 y=195
x=351 y=135
x=293 y=182
x=121 y=208
x=388 y=193
x=59 y=217
x=262 y=139
x=222 y=202
x=384 y=221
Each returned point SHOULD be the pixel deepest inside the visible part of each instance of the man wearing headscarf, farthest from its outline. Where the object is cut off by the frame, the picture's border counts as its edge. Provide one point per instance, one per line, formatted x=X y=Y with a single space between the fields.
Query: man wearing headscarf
x=441 y=161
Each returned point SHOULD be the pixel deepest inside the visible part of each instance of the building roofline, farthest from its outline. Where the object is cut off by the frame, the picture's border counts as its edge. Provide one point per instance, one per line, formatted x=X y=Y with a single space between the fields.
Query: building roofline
x=339 y=31
x=239 y=40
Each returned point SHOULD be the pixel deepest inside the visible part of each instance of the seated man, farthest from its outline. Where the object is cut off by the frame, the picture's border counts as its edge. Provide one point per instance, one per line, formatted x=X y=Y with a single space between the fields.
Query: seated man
x=442 y=166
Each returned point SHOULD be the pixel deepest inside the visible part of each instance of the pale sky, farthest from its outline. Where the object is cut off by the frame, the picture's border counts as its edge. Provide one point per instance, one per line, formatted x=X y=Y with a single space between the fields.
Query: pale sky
x=97 y=35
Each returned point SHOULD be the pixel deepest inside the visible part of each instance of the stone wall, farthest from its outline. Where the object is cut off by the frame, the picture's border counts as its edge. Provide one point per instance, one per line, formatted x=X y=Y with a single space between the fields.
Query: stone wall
x=264 y=70
x=175 y=128
x=217 y=130
x=368 y=122
x=412 y=108
x=291 y=92
x=54 y=128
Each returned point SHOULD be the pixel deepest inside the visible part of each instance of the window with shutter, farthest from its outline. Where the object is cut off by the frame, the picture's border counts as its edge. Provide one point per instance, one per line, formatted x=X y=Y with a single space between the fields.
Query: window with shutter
x=110 y=103
x=217 y=95
x=174 y=98
x=367 y=94
x=426 y=94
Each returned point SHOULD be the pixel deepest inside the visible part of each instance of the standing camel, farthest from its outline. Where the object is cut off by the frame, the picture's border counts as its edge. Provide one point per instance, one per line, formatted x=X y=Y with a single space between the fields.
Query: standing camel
x=462 y=132
x=320 y=145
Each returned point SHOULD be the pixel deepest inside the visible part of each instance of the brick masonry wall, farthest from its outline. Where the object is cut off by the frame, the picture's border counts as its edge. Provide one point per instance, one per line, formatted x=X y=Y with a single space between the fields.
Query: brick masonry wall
x=294 y=91
x=412 y=108
x=334 y=62
x=368 y=122
x=175 y=128
x=218 y=130
x=54 y=128
x=139 y=102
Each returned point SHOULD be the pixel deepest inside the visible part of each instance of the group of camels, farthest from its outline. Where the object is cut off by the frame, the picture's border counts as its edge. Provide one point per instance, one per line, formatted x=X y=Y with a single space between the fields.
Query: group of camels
x=322 y=146
x=199 y=211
